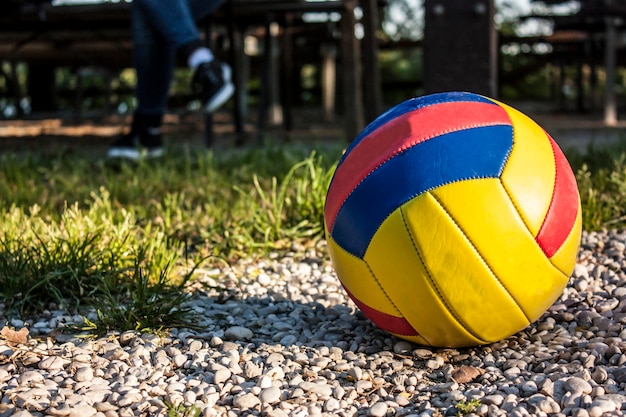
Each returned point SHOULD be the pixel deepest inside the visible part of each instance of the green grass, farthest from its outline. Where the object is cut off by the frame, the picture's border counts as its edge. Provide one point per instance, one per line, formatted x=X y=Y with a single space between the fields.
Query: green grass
x=182 y=411
x=78 y=233
x=601 y=176
x=467 y=407
x=82 y=234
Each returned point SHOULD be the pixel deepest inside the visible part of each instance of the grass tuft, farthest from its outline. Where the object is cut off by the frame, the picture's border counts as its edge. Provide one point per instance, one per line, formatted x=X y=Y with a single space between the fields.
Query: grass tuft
x=142 y=302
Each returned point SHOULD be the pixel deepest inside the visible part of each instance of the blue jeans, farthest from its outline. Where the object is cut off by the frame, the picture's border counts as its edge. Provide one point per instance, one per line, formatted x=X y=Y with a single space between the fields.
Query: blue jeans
x=159 y=28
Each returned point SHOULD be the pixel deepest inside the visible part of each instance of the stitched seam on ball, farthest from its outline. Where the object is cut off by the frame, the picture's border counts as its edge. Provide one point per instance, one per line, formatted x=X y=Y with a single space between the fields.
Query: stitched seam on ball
x=435 y=102
x=565 y=275
x=483 y=260
x=443 y=132
x=420 y=257
x=556 y=178
x=506 y=190
x=383 y=291
x=518 y=210
x=428 y=190
x=410 y=145
x=550 y=208
x=512 y=200
x=434 y=286
x=418 y=107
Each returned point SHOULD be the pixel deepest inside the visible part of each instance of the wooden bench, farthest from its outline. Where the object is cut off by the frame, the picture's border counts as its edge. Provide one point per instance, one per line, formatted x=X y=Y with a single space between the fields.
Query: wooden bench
x=99 y=35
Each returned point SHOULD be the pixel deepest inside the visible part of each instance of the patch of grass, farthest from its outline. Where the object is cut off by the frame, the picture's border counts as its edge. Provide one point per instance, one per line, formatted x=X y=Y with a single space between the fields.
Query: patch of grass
x=43 y=262
x=123 y=239
x=142 y=302
x=290 y=210
x=201 y=198
x=464 y=408
x=84 y=261
x=181 y=411
x=601 y=177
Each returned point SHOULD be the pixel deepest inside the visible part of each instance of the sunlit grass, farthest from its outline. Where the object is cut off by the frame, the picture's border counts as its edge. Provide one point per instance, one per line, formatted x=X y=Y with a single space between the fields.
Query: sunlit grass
x=123 y=239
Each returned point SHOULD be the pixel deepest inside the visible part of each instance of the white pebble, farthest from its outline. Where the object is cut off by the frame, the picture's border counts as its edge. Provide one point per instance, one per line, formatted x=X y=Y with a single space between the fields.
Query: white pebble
x=238 y=333
x=270 y=395
x=83 y=374
x=378 y=410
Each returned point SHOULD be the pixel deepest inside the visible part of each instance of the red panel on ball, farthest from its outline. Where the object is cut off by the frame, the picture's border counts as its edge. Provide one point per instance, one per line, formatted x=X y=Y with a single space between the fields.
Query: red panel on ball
x=401 y=133
x=563 y=209
x=387 y=322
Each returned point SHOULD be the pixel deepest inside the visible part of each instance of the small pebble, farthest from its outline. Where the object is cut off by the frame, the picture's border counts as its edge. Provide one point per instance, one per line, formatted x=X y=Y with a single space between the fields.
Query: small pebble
x=378 y=410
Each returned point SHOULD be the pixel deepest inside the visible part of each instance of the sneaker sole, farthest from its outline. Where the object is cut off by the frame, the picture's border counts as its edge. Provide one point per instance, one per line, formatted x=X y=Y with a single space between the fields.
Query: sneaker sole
x=134 y=154
x=221 y=97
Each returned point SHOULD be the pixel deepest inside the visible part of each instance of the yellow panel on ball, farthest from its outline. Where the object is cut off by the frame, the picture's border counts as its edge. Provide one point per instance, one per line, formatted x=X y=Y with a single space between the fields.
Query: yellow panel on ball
x=484 y=212
x=530 y=187
x=358 y=280
x=463 y=281
x=393 y=258
x=365 y=290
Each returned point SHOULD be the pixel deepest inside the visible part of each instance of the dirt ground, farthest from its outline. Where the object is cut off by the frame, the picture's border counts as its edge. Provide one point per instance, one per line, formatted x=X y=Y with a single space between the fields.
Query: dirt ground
x=94 y=133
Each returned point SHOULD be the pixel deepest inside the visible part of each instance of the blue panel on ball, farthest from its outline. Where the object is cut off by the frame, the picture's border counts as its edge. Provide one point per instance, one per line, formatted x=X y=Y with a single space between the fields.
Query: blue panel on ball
x=472 y=153
x=411 y=105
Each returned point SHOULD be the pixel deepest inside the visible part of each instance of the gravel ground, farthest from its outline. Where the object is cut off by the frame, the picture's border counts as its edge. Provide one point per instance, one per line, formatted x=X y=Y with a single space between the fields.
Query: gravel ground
x=283 y=340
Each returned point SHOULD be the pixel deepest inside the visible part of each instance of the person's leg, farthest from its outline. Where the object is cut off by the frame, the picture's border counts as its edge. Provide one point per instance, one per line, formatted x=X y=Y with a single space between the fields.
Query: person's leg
x=172 y=19
x=154 y=61
x=212 y=79
x=175 y=21
x=162 y=31
x=165 y=29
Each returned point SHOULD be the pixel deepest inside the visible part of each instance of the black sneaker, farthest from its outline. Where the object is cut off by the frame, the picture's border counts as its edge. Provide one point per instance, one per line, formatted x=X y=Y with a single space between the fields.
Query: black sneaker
x=212 y=83
x=135 y=146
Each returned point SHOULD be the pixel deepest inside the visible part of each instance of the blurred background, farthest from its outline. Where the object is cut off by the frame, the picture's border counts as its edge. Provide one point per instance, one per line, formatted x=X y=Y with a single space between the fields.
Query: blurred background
x=326 y=60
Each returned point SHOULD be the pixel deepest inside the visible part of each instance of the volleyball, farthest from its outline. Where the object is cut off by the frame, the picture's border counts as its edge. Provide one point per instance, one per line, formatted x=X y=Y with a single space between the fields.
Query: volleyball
x=453 y=220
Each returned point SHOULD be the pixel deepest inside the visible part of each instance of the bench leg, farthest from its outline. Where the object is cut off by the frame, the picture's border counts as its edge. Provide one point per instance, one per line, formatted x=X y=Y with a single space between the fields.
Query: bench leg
x=352 y=85
x=13 y=87
x=41 y=88
x=209 y=138
x=265 y=79
x=238 y=64
x=287 y=74
x=371 y=71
